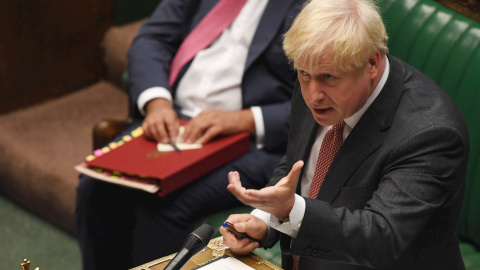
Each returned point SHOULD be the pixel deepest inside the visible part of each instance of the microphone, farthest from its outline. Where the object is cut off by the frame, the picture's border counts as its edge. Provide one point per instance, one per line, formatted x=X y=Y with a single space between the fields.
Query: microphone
x=196 y=242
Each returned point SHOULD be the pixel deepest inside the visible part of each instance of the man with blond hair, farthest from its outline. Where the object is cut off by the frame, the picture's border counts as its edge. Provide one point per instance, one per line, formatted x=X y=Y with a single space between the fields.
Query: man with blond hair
x=375 y=165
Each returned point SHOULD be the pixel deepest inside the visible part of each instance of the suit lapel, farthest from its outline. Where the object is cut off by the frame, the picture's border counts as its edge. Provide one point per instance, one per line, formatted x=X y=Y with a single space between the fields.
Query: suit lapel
x=367 y=136
x=302 y=120
x=199 y=9
x=271 y=21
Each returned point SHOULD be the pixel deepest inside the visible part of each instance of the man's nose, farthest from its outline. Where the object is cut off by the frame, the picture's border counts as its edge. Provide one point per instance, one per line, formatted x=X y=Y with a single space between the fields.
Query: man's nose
x=315 y=91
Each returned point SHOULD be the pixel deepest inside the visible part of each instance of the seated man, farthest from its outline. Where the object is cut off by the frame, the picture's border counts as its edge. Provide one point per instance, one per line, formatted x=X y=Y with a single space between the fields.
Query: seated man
x=240 y=82
x=385 y=153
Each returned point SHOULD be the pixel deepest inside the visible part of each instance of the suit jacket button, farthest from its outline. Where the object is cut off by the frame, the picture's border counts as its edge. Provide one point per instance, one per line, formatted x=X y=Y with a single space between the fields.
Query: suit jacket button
x=308 y=251
x=327 y=255
x=314 y=253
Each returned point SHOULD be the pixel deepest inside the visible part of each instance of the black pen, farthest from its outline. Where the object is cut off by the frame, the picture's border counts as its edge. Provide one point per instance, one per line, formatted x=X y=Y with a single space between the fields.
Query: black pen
x=173 y=145
x=229 y=226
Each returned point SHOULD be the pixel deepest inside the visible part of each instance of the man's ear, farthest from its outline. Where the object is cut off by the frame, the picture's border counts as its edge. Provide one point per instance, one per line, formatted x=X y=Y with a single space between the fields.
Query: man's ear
x=374 y=64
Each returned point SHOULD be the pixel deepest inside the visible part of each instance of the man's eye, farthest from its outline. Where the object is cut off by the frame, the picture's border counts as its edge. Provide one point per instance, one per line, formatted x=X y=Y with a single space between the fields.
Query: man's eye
x=328 y=77
x=304 y=75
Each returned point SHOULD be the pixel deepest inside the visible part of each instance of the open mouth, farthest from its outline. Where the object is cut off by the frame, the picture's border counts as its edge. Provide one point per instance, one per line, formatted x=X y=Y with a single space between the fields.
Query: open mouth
x=322 y=111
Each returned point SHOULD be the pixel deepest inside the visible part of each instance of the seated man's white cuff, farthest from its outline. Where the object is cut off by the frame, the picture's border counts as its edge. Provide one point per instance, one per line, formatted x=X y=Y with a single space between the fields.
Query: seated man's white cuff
x=152 y=93
x=259 y=126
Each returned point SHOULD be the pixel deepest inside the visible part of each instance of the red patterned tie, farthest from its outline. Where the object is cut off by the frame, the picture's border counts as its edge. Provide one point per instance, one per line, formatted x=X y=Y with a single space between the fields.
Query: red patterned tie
x=330 y=145
x=207 y=31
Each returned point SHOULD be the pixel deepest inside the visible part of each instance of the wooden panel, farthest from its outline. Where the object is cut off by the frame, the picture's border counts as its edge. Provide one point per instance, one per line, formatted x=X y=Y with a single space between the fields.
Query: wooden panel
x=49 y=48
x=470 y=8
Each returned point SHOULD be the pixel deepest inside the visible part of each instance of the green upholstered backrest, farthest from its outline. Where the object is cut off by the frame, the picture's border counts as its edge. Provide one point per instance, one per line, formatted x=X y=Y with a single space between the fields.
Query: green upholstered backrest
x=127 y=11
x=444 y=45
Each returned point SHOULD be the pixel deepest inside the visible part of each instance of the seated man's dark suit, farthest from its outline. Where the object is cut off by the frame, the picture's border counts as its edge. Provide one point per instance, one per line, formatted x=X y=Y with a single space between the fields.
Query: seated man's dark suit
x=392 y=196
x=111 y=219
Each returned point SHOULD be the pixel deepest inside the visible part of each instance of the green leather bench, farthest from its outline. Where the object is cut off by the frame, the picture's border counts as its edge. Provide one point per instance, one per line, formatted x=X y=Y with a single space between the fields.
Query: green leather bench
x=445 y=45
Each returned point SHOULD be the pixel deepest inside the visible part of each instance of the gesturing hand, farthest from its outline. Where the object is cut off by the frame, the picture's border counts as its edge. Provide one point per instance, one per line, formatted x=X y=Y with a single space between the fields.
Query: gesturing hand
x=277 y=200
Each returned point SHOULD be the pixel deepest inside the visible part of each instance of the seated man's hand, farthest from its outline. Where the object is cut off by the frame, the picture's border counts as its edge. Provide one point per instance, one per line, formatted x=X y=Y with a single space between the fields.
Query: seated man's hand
x=277 y=200
x=246 y=223
x=210 y=123
x=161 y=121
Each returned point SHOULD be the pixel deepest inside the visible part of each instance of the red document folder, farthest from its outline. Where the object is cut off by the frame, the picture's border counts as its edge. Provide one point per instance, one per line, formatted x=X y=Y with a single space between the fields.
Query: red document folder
x=138 y=164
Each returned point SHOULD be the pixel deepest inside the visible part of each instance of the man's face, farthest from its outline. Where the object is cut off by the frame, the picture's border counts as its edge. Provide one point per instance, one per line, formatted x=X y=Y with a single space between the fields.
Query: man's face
x=332 y=95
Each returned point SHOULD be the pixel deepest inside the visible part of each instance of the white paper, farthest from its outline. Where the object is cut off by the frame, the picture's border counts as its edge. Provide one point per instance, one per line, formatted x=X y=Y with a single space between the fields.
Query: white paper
x=165 y=147
x=228 y=263
x=151 y=188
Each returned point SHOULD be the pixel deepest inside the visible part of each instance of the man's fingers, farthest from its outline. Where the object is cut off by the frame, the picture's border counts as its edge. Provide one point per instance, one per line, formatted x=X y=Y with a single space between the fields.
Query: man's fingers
x=154 y=130
x=239 y=246
x=209 y=134
x=294 y=173
x=193 y=130
x=172 y=126
x=235 y=186
x=246 y=196
x=234 y=178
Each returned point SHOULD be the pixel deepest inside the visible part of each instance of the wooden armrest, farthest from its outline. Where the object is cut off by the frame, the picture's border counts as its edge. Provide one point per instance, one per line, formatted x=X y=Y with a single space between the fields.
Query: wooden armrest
x=106 y=130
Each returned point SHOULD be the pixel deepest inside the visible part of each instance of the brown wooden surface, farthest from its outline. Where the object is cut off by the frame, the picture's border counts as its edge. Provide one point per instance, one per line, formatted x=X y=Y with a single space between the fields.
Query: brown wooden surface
x=470 y=8
x=49 y=48
x=213 y=251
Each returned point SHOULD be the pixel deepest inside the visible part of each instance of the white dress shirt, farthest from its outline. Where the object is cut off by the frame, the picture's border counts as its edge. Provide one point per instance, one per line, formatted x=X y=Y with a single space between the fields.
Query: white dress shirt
x=292 y=227
x=213 y=80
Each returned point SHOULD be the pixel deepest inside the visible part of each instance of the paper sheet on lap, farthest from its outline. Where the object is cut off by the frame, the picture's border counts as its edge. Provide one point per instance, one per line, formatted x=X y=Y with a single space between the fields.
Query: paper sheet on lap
x=165 y=147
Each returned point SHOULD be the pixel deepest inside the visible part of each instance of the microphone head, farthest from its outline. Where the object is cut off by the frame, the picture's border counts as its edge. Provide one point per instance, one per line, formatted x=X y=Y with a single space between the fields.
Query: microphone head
x=198 y=239
x=204 y=233
x=196 y=242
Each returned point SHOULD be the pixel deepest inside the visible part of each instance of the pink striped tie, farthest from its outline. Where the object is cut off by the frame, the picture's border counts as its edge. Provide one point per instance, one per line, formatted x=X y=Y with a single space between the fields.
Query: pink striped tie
x=207 y=31
x=330 y=145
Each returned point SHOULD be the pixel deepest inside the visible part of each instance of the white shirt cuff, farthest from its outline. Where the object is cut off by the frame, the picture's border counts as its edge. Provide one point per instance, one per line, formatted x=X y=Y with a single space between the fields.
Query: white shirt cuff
x=152 y=93
x=292 y=226
x=259 y=126
x=261 y=214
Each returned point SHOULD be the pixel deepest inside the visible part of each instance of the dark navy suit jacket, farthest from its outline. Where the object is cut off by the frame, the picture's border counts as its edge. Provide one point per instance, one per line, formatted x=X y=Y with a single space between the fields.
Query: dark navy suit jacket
x=268 y=79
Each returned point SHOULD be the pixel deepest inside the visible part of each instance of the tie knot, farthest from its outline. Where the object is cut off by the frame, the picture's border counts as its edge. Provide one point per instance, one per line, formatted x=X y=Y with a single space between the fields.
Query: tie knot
x=339 y=126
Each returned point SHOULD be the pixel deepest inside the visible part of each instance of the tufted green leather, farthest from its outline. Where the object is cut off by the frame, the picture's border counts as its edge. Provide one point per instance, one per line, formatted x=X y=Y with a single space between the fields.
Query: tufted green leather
x=127 y=11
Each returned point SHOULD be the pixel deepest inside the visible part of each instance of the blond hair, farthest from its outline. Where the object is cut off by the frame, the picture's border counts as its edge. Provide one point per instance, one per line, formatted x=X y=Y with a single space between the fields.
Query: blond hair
x=347 y=32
